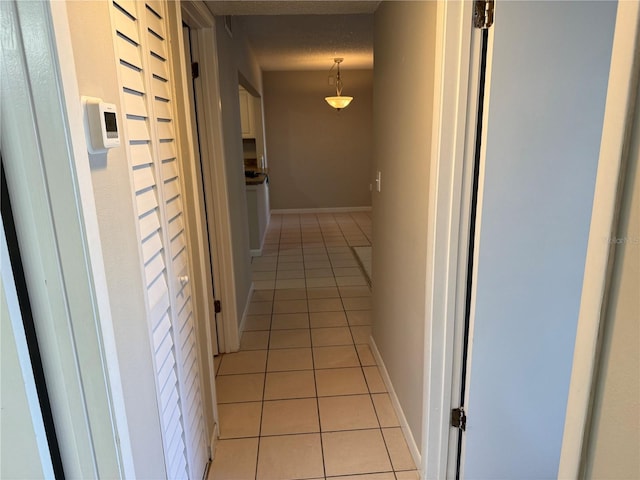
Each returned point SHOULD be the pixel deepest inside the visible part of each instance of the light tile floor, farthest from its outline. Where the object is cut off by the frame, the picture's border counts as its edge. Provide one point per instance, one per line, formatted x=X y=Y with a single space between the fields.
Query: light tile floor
x=303 y=398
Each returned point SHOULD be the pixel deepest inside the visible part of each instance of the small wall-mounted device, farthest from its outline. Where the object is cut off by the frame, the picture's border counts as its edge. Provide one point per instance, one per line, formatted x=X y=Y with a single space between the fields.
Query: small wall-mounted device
x=101 y=125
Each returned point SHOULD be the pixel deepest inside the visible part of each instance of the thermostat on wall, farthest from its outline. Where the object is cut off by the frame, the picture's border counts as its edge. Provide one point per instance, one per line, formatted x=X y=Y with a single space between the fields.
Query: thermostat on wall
x=101 y=125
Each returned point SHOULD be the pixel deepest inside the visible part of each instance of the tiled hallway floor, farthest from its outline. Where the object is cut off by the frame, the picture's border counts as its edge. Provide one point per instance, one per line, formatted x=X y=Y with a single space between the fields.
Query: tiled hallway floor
x=303 y=398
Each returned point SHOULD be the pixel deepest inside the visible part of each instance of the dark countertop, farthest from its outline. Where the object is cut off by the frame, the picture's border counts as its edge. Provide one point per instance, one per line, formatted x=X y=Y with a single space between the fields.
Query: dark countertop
x=259 y=179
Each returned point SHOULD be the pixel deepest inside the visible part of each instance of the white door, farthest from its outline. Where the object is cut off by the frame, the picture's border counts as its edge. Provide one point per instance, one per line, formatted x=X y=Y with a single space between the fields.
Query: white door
x=548 y=68
x=141 y=37
x=24 y=450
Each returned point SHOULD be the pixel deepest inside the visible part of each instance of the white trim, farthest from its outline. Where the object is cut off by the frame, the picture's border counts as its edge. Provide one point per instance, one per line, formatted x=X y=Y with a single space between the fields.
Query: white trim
x=199 y=18
x=245 y=312
x=284 y=211
x=257 y=252
x=455 y=109
x=621 y=92
x=87 y=198
x=406 y=430
x=197 y=238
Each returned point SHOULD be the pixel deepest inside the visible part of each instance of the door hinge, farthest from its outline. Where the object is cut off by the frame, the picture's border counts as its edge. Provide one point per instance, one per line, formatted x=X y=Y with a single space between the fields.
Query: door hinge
x=483 y=13
x=217 y=306
x=459 y=418
x=195 y=69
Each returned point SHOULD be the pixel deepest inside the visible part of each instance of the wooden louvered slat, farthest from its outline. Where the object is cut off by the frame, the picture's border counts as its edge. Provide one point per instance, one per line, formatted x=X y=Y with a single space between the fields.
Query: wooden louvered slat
x=160 y=332
x=157 y=45
x=180 y=262
x=164 y=353
x=171 y=415
x=179 y=466
x=156 y=6
x=158 y=67
x=159 y=303
x=135 y=105
x=154 y=22
x=184 y=300
x=168 y=392
x=176 y=227
x=171 y=189
x=167 y=369
x=169 y=170
x=125 y=24
x=129 y=52
x=137 y=128
x=140 y=154
x=151 y=246
x=160 y=88
x=143 y=178
x=154 y=268
x=165 y=130
x=174 y=208
x=146 y=202
x=178 y=246
x=129 y=6
x=131 y=78
x=162 y=109
x=149 y=224
x=185 y=325
x=166 y=151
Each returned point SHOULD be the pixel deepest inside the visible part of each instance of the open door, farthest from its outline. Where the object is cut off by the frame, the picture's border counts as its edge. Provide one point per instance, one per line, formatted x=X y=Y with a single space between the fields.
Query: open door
x=547 y=66
x=191 y=50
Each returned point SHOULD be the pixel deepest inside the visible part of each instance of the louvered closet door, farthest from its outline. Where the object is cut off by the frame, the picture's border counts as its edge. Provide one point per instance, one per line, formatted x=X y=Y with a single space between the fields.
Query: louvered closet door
x=140 y=30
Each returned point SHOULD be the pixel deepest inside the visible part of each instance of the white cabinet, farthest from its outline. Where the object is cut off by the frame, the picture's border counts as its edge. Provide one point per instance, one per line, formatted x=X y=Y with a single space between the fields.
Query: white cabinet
x=247 y=116
x=259 y=214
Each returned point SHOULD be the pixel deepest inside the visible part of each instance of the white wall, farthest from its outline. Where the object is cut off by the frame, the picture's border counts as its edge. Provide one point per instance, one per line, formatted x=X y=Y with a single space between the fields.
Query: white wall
x=234 y=58
x=91 y=34
x=318 y=157
x=614 y=439
x=548 y=86
x=402 y=103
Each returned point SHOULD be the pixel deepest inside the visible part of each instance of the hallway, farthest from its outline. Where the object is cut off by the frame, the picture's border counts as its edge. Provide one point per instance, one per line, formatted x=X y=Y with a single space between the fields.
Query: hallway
x=303 y=398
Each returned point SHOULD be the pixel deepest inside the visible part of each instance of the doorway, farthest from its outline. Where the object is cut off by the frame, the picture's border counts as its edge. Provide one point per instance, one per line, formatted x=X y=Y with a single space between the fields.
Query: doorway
x=204 y=222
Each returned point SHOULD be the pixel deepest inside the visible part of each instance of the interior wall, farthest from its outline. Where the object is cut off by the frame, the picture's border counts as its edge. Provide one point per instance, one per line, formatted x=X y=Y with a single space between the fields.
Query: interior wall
x=235 y=57
x=90 y=28
x=405 y=65
x=318 y=157
x=614 y=439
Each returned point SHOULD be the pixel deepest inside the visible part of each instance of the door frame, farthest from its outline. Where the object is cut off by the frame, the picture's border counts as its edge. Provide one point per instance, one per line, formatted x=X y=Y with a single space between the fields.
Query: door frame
x=47 y=168
x=455 y=107
x=614 y=151
x=202 y=24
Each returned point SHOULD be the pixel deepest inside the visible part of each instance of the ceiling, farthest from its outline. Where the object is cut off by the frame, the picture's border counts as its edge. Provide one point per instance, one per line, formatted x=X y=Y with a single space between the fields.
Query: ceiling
x=304 y=34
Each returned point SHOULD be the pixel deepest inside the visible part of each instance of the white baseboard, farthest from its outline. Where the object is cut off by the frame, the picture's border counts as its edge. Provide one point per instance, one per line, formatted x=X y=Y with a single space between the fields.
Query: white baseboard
x=280 y=211
x=255 y=252
x=245 y=312
x=408 y=435
x=214 y=440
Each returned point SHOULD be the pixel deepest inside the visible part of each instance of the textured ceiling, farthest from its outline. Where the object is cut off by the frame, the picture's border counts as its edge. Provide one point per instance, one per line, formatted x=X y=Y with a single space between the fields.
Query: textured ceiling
x=290 y=7
x=311 y=42
x=304 y=34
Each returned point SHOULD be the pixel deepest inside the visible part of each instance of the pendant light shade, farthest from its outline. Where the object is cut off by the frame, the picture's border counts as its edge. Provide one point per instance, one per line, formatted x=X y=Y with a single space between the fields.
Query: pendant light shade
x=339 y=101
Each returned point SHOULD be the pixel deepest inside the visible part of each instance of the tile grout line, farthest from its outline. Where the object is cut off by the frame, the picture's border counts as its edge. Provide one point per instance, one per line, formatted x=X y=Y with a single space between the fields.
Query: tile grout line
x=313 y=365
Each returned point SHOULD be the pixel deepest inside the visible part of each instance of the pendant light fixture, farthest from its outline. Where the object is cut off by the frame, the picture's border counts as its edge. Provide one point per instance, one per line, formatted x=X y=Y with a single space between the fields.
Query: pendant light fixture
x=339 y=101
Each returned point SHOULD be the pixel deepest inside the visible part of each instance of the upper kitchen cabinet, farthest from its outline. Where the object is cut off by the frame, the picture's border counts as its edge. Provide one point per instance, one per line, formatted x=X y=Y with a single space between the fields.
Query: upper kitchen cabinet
x=247 y=114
